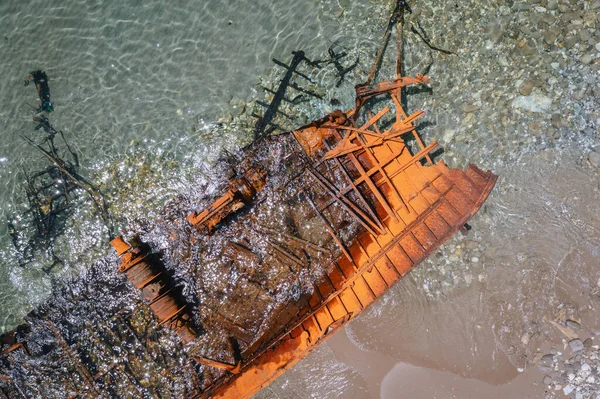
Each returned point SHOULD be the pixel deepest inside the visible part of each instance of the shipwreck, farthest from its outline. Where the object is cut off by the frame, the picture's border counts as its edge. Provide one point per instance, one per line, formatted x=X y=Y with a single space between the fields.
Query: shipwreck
x=311 y=227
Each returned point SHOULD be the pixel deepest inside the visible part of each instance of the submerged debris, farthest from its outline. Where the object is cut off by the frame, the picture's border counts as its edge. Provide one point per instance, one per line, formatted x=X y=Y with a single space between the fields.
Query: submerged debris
x=52 y=192
x=40 y=79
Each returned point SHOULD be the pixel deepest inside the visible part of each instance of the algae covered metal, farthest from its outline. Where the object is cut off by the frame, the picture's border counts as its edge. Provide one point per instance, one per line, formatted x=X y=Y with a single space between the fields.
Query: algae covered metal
x=310 y=227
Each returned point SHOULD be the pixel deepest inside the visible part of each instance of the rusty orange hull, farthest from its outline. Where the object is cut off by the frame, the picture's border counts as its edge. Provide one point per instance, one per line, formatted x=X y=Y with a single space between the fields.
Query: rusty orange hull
x=439 y=208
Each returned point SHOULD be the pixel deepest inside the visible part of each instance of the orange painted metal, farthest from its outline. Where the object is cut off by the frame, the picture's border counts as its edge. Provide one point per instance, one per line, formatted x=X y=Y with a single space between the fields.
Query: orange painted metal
x=241 y=191
x=419 y=203
x=147 y=274
x=439 y=201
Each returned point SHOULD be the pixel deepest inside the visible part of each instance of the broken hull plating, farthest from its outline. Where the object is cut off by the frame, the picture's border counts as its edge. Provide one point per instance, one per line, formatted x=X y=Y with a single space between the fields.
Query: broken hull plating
x=446 y=200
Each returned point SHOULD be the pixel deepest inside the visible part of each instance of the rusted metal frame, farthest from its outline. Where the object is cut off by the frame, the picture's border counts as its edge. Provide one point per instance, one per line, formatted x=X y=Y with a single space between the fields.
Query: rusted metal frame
x=409 y=204
x=358 y=273
x=126 y=266
x=363 y=93
x=173 y=315
x=15 y=347
x=421 y=154
x=316 y=321
x=364 y=251
x=374 y=118
x=242 y=249
x=148 y=281
x=414 y=130
x=371 y=121
x=398 y=8
x=322 y=328
x=287 y=254
x=391 y=134
x=388 y=135
x=453 y=185
x=344 y=306
x=77 y=363
x=400 y=42
x=380 y=167
x=160 y=297
x=321 y=295
x=387 y=144
x=359 y=193
x=295 y=238
x=361 y=276
x=348 y=205
x=372 y=260
x=386 y=206
x=352 y=129
x=213 y=363
x=419 y=192
x=330 y=229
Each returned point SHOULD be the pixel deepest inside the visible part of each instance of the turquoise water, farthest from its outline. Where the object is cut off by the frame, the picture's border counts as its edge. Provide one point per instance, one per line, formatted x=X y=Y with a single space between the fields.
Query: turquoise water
x=137 y=88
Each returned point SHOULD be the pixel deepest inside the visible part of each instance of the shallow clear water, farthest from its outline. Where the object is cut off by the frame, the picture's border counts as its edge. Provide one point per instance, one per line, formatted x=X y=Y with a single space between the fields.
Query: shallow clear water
x=136 y=87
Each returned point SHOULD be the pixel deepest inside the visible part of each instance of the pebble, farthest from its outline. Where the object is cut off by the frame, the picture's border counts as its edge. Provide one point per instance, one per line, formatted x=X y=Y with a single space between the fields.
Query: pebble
x=468 y=108
x=586 y=59
x=576 y=345
x=585 y=367
x=548 y=380
x=598 y=47
x=535 y=102
x=573 y=324
x=526 y=88
x=568 y=389
x=448 y=135
x=547 y=360
x=470 y=244
x=556 y=121
x=594 y=158
x=587 y=343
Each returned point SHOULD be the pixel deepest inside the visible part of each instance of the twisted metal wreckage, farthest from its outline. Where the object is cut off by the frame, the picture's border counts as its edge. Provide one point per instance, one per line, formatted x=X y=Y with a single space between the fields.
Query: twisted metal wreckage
x=314 y=225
